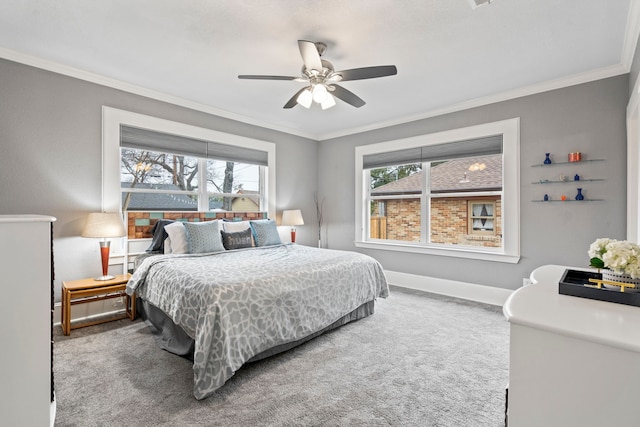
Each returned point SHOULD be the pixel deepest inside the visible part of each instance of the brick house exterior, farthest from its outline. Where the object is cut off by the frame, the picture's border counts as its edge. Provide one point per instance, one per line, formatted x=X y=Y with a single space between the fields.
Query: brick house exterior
x=451 y=216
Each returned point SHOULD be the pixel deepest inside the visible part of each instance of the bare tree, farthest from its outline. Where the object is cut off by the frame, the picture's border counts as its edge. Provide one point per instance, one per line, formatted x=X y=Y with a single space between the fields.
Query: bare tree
x=155 y=169
x=149 y=168
x=227 y=186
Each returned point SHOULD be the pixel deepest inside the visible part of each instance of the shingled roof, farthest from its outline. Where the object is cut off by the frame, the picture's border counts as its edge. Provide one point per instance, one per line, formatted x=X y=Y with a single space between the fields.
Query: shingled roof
x=451 y=176
x=163 y=201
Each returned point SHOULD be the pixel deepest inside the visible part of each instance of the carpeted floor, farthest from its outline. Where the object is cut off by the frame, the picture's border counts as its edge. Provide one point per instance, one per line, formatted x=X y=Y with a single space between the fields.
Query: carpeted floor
x=420 y=360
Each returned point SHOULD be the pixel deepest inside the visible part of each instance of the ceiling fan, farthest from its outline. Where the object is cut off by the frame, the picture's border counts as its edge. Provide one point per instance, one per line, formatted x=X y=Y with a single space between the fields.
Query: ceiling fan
x=322 y=78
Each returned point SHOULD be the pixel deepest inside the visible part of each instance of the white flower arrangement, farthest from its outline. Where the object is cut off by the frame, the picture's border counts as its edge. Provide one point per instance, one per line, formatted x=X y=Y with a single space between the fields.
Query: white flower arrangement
x=622 y=257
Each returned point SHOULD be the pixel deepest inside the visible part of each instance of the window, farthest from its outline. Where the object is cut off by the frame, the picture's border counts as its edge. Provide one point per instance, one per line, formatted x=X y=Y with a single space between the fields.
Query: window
x=156 y=164
x=395 y=195
x=154 y=181
x=482 y=218
x=452 y=193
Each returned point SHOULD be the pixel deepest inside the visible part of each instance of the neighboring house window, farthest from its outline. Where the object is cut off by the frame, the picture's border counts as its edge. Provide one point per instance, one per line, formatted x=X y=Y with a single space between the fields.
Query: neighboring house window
x=482 y=218
x=453 y=193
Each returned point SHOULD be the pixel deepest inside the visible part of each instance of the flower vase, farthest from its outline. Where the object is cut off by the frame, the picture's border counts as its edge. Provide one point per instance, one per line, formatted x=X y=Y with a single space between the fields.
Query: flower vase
x=579 y=196
x=547 y=159
x=612 y=276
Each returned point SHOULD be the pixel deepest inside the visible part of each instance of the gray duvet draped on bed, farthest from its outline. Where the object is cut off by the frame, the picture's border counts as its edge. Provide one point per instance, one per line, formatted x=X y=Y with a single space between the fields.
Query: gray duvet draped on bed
x=241 y=305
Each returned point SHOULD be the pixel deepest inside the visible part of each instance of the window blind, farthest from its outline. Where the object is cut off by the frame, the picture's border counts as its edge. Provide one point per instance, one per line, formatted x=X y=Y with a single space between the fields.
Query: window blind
x=431 y=153
x=144 y=139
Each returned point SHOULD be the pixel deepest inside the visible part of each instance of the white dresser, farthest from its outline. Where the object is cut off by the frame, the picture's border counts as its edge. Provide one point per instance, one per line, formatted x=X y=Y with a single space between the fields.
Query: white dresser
x=573 y=361
x=26 y=271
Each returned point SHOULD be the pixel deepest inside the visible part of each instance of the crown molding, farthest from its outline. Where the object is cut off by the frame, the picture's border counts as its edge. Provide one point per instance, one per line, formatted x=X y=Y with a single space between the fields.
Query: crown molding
x=631 y=35
x=77 y=73
x=546 y=86
x=633 y=30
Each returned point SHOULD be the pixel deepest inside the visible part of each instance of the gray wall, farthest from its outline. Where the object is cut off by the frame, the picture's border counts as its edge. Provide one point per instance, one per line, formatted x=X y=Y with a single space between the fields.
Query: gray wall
x=589 y=118
x=50 y=160
x=50 y=156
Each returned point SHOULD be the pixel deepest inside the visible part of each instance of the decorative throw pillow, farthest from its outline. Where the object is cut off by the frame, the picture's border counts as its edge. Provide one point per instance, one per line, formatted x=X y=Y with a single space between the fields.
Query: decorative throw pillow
x=265 y=232
x=238 y=240
x=178 y=236
x=235 y=226
x=159 y=236
x=203 y=237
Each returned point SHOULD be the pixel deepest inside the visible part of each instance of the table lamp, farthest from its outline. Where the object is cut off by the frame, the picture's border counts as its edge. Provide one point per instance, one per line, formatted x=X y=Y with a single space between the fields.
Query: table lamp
x=104 y=225
x=292 y=218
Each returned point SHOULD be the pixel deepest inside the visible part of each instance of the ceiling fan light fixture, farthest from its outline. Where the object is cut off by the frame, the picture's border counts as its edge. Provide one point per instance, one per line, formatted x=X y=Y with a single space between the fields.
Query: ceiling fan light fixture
x=328 y=102
x=320 y=77
x=320 y=93
x=305 y=98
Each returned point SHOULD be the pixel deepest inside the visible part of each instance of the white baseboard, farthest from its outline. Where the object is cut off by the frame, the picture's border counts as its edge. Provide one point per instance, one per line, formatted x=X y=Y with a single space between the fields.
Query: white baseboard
x=89 y=310
x=452 y=288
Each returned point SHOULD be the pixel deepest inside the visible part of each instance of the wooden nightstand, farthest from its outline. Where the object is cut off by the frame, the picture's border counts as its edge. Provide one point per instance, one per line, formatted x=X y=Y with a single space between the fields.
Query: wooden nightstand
x=86 y=290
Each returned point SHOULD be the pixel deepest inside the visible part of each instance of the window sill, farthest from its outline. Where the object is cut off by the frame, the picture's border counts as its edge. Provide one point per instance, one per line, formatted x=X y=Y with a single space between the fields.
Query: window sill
x=482 y=237
x=469 y=253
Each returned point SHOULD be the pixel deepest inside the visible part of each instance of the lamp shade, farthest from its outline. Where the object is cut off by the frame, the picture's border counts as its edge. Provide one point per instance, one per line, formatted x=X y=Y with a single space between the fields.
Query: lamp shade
x=104 y=225
x=292 y=217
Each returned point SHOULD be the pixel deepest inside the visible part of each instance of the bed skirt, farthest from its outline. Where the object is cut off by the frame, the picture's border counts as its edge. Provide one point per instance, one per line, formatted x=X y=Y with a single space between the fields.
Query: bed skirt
x=172 y=338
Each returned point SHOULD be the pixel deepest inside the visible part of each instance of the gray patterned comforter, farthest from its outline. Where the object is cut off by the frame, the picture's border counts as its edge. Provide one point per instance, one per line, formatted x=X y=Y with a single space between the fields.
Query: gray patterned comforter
x=237 y=304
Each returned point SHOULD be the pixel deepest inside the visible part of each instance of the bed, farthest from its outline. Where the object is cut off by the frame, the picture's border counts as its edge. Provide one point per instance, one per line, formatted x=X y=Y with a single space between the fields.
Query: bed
x=238 y=305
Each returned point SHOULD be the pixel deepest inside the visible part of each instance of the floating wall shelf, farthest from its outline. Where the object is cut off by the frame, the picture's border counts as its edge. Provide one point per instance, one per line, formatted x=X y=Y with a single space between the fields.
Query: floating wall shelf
x=568 y=200
x=566 y=163
x=567 y=181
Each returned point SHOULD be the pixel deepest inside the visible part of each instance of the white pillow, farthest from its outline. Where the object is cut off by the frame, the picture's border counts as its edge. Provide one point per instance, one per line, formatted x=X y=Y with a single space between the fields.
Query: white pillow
x=178 y=235
x=235 y=226
x=167 y=245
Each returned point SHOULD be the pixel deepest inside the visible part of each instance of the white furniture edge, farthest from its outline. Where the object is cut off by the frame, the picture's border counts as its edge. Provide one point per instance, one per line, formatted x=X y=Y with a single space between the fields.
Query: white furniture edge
x=26 y=218
x=590 y=320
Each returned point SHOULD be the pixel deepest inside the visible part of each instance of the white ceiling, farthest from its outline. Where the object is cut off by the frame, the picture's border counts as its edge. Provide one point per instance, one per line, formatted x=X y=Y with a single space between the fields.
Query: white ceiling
x=448 y=54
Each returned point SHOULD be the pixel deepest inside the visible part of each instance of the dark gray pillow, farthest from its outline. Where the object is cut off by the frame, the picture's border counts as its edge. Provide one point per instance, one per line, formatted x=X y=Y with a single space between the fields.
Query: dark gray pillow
x=237 y=240
x=157 y=243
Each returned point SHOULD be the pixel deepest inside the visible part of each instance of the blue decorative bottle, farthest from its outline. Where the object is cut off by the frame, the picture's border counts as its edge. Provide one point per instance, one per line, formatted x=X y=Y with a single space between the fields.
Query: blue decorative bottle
x=547 y=160
x=576 y=178
x=579 y=196
x=546 y=198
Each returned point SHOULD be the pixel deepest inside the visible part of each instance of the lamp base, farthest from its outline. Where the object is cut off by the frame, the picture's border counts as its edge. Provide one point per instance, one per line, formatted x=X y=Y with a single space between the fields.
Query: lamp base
x=104 y=254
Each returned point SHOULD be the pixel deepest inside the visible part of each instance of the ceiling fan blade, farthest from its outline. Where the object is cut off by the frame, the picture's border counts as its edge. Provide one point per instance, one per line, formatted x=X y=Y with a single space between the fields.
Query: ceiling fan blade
x=258 y=77
x=294 y=99
x=310 y=55
x=347 y=96
x=368 y=72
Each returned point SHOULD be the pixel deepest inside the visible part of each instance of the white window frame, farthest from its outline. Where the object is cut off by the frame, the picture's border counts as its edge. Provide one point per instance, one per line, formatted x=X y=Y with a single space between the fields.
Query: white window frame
x=113 y=118
x=510 y=250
